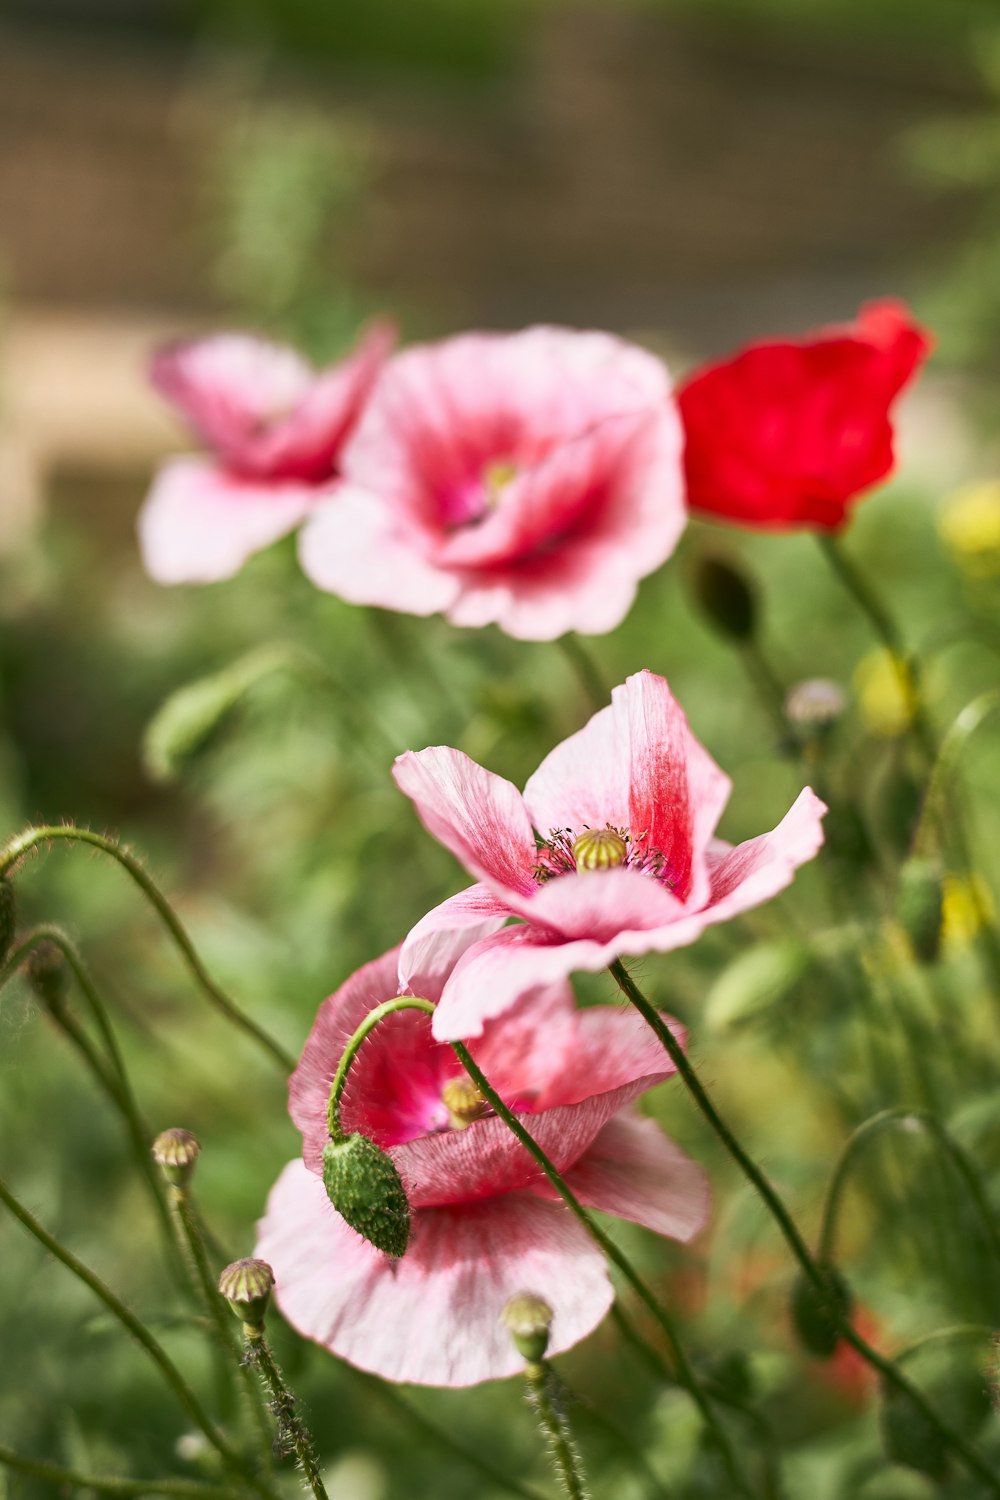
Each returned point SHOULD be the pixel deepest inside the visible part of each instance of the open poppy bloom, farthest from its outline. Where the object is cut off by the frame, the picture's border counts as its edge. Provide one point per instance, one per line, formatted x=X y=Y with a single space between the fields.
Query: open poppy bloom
x=485 y=1223
x=276 y=429
x=527 y=479
x=610 y=851
x=788 y=432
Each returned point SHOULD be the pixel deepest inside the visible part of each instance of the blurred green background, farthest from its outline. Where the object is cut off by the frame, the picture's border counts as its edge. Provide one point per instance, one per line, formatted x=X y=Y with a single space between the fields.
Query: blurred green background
x=688 y=174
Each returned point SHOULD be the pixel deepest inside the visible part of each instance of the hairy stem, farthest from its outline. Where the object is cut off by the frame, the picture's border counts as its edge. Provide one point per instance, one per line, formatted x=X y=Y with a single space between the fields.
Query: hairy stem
x=555 y=1430
x=292 y=1434
x=109 y=1484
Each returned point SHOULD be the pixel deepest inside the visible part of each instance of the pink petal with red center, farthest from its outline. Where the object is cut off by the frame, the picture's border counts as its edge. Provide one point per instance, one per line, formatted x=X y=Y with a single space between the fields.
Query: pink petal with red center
x=440 y=938
x=600 y=904
x=433 y=1317
x=355 y=548
x=584 y=782
x=634 y=1171
x=480 y=817
x=199 y=523
x=754 y=871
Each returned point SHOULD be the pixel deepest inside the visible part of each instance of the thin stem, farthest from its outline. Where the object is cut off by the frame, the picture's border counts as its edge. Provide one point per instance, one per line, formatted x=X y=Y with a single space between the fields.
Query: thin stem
x=685 y=1373
x=790 y=1232
x=292 y=1434
x=371 y=1020
x=109 y=1484
x=555 y=1429
x=769 y=688
x=33 y=838
x=585 y=669
x=907 y=1118
x=191 y=1242
x=946 y=1335
x=171 y=1375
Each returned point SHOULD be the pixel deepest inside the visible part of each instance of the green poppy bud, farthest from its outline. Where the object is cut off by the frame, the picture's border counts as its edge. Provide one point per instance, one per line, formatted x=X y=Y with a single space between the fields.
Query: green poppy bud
x=811 y=1318
x=908 y=1437
x=726 y=597
x=528 y=1320
x=48 y=974
x=919 y=902
x=367 y=1191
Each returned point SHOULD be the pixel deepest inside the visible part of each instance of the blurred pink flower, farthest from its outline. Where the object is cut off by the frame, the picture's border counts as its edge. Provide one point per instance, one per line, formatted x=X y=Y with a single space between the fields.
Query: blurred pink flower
x=485 y=1222
x=527 y=479
x=276 y=429
x=611 y=851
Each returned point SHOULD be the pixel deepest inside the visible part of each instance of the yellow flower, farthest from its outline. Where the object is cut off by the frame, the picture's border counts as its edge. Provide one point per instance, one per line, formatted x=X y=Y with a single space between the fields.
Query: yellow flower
x=969 y=526
x=966 y=903
x=884 y=693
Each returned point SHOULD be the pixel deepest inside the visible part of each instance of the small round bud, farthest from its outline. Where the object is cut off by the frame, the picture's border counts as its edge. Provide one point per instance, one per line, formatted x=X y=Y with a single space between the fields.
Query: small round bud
x=48 y=974
x=8 y=916
x=175 y=1153
x=246 y=1285
x=367 y=1191
x=464 y=1103
x=726 y=597
x=528 y=1319
x=907 y=1435
x=811 y=1318
x=920 y=905
x=815 y=704
x=599 y=849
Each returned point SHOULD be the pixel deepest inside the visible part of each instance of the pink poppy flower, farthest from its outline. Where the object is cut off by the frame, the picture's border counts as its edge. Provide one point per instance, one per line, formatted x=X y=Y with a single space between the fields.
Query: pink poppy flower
x=276 y=429
x=527 y=479
x=485 y=1222
x=610 y=851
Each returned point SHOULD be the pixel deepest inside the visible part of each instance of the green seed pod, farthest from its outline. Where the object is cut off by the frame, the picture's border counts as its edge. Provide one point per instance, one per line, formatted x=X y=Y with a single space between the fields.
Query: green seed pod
x=528 y=1319
x=919 y=901
x=365 y=1188
x=8 y=917
x=175 y=1153
x=899 y=803
x=246 y=1286
x=726 y=598
x=813 y=1324
x=48 y=974
x=907 y=1435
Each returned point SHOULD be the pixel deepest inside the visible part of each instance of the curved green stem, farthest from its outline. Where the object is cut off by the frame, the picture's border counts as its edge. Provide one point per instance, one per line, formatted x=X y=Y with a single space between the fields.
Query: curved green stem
x=109 y=1484
x=946 y=1335
x=685 y=1373
x=171 y=1375
x=906 y=1118
x=350 y=1052
x=555 y=1430
x=585 y=669
x=790 y=1232
x=33 y=838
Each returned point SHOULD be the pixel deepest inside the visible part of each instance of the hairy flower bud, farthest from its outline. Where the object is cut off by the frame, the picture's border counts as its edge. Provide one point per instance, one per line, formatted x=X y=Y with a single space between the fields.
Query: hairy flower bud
x=726 y=597
x=367 y=1191
x=48 y=974
x=812 y=1320
x=246 y=1286
x=919 y=906
x=8 y=916
x=528 y=1319
x=175 y=1152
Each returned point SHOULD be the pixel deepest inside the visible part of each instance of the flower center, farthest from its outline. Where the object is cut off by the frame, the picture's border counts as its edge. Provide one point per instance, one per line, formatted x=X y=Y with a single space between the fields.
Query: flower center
x=496 y=477
x=565 y=852
x=464 y=1103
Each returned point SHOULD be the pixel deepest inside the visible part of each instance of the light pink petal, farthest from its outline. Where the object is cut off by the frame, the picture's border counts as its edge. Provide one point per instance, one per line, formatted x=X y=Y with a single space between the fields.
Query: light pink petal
x=756 y=870
x=231 y=384
x=354 y=548
x=432 y=1318
x=584 y=782
x=439 y=939
x=677 y=792
x=599 y=904
x=635 y=1172
x=478 y=816
x=199 y=523
x=613 y=1047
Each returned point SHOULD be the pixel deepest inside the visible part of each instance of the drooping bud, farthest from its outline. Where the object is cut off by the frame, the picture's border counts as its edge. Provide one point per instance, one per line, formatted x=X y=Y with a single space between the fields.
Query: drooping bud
x=919 y=906
x=528 y=1319
x=815 y=705
x=175 y=1152
x=8 y=916
x=599 y=849
x=464 y=1103
x=908 y=1437
x=48 y=973
x=726 y=597
x=812 y=1317
x=367 y=1191
x=246 y=1285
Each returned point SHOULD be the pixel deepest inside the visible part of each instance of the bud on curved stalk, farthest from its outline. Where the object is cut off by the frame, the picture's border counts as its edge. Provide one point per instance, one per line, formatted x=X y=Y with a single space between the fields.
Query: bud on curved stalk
x=365 y=1188
x=726 y=597
x=814 y=1323
x=8 y=916
x=247 y=1285
x=528 y=1319
x=48 y=974
x=175 y=1152
x=919 y=906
